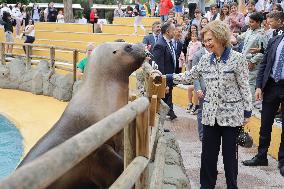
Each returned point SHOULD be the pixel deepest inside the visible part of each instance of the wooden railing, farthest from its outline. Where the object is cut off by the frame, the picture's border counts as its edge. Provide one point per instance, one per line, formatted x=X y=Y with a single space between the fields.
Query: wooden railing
x=51 y=58
x=137 y=118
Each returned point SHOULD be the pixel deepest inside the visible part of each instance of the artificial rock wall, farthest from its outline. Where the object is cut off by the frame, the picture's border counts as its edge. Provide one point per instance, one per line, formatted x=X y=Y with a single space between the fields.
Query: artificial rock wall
x=38 y=79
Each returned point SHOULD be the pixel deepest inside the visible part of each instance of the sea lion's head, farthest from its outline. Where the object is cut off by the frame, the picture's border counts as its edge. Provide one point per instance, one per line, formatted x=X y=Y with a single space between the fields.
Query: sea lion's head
x=117 y=59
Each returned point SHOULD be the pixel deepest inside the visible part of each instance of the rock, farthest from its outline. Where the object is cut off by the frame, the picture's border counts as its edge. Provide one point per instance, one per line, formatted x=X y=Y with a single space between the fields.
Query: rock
x=76 y=86
x=4 y=76
x=17 y=69
x=37 y=83
x=41 y=71
x=26 y=81
x=172 y=157
x=48 y=84
x=174 y=175
x=63 y=87
x=168 y=186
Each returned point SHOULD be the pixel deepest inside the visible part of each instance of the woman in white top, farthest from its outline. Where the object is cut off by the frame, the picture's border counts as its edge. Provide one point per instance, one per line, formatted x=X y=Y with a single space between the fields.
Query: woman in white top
x=60 y=17
x=17 y=14
x=29 y=33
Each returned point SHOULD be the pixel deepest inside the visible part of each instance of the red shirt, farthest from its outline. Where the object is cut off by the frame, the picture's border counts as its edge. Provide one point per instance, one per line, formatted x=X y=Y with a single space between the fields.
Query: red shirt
x=165 y=6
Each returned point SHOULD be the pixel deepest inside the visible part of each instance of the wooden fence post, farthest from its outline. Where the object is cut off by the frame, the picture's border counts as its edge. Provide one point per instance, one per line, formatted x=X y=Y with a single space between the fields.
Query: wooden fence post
x=130 y=139
x=142 y=145
x=52 y=58
x=75 y=60
x=129 y=143
x=28 y=57
x=3 y=61
x=153 y=109
x=142 y=136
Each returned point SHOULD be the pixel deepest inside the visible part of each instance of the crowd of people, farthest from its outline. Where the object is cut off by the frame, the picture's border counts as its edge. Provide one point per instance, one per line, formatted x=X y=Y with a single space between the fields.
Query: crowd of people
x=22 y=19
x=233 y=63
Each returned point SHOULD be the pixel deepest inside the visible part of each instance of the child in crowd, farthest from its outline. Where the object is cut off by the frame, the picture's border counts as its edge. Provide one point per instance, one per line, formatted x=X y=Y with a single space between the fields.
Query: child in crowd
x=193 y=46
x=203 y=22
x=60 y=17
x=225 y=12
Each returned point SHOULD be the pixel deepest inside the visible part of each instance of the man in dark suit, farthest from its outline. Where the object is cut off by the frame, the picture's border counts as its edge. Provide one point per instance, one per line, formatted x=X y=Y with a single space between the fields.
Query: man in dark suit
x=165 y=57
x=151 y=39
x=270 y=83
x=276 y=20
x=177 y=46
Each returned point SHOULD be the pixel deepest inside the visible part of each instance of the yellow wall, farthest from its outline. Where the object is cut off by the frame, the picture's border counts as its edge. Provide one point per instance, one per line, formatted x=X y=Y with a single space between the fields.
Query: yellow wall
x=123 y=29
x=71 y=27
x=86 y=37
x=146 y=21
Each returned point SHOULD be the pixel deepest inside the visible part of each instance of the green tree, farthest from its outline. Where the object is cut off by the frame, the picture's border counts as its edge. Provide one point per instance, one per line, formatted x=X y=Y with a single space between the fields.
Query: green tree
x=15 y=1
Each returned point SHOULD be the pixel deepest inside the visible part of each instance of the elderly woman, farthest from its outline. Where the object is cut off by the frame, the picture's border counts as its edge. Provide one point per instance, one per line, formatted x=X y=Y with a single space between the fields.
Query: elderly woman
x=227 y=103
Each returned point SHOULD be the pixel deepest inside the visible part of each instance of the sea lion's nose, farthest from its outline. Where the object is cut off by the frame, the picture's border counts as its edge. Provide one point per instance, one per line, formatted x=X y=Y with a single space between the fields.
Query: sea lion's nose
x=128 y=48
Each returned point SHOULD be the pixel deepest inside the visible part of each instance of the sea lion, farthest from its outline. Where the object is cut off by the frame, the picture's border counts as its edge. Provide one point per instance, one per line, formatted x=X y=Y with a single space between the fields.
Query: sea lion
x=104 y=91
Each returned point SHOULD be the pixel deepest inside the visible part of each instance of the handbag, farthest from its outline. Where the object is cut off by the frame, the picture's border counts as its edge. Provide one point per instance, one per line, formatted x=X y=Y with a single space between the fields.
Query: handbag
x=244 y=139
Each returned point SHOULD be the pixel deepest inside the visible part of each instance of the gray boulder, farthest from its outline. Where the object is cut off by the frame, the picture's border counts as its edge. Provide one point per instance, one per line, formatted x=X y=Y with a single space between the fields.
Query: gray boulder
x=4 y=76
x=63 y=87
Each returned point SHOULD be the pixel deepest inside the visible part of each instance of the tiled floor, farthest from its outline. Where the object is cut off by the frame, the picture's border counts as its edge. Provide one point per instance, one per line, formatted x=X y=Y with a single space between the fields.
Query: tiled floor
x=185 y=130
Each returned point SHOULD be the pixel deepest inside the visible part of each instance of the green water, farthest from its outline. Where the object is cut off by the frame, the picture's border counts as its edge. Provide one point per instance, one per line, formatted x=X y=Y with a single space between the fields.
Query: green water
x=11 y=147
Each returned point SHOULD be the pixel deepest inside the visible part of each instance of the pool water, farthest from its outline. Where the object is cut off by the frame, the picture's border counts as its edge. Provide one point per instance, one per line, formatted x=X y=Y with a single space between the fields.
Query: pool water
x=11 y=146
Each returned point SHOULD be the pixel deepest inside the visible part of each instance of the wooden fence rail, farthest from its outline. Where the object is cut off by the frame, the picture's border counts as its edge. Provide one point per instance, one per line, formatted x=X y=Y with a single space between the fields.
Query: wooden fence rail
x=53 y=164
x=52 y=56
x=137 y=118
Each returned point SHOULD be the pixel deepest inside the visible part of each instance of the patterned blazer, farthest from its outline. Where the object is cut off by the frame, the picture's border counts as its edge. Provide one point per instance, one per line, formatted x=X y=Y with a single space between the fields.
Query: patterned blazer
x=228 y=98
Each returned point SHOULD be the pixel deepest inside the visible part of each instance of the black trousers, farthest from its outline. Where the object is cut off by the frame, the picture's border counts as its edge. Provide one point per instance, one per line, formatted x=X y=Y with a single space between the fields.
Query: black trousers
x=211 y=142
x=273 y=96
x=29 y=39
x=169 y=99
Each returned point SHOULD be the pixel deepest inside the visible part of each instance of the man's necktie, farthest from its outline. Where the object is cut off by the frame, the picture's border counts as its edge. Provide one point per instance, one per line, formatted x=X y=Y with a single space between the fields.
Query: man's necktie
x=173 y=52
x=156 y=38
x=279 y=66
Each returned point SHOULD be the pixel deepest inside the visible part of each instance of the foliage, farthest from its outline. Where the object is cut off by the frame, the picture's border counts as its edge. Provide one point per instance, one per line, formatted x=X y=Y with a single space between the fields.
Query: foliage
x=15 y=1
x=109 y=16
x=78 y=14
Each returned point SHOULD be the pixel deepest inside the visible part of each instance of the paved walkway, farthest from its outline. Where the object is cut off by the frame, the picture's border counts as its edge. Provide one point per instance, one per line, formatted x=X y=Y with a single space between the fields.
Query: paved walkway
x=249 y=177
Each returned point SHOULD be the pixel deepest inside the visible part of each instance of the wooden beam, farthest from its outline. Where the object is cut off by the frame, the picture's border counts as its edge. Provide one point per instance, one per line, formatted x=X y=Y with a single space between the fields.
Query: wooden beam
x=28 y=57
x=142 y=145
x=3 y=61
x=52 y=58
x=142 y=134
x=153 y=110
x=131 y=174
x=129 y=143
x=44 y=170
x=75 y=60
x=162 y=88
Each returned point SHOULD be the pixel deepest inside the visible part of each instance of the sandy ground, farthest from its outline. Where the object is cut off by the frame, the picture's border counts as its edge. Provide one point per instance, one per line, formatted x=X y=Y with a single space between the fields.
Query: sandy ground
x=248 y=177
x=33 y=114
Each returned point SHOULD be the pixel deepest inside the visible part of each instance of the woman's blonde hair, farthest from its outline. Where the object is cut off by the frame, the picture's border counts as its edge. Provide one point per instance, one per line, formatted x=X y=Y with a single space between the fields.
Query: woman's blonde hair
x=220 y=31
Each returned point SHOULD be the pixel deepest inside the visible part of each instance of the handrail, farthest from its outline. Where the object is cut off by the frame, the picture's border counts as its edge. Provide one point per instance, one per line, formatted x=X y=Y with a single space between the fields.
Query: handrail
x=52 y=55
x=53 y=164
x=131 y=174
x=45 y=46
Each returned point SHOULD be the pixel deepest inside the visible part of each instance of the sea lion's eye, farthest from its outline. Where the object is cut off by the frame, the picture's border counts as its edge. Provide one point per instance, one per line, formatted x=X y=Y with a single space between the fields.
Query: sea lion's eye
x=114 y=52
